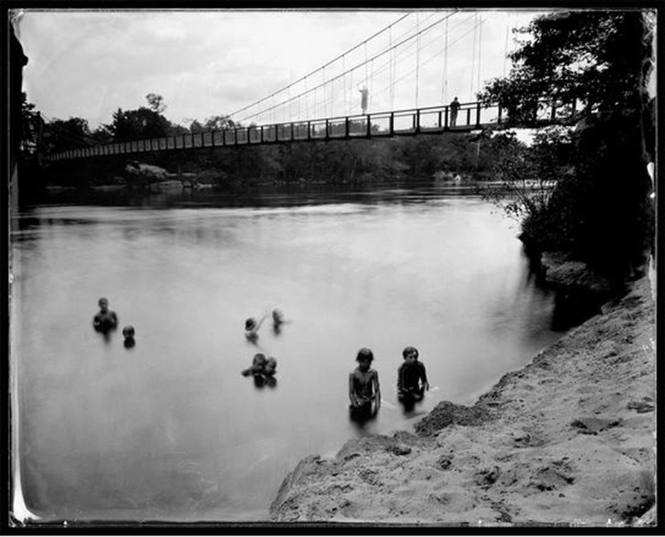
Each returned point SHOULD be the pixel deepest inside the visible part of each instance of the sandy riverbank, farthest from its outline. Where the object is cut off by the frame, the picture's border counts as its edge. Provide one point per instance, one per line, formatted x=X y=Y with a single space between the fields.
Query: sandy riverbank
x=568 y=439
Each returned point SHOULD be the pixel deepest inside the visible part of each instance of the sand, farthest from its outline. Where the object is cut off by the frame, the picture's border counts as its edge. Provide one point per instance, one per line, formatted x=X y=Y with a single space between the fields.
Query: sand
x=568 y=439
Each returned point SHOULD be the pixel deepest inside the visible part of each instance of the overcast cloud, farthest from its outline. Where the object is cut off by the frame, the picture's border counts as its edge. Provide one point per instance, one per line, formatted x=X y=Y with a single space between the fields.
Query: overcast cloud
x=90 y=63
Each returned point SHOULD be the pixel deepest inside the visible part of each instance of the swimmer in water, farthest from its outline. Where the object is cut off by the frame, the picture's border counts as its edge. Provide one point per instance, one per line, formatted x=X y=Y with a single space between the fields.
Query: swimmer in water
x=364 y=390
x=411 y=376
x=277 y=321
x=128 y=333
x=252 y=328
x=271 y=367
x=258 y=365
x=106 y=319
x=263 y=370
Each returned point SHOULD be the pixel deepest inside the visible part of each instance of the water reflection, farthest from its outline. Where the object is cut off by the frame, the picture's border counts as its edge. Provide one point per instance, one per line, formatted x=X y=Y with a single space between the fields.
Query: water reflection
x=173 y=432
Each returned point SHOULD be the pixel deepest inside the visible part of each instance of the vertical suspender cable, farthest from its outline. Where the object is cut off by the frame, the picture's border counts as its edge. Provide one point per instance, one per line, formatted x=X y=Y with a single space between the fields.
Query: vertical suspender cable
x=366 y=64
x=480 y=34
x=344 y=86
x=289 y=106
x=417 y=55
x=391 y=71
x=444 y=81
x=505 y=50
x=371 y=82
x=323 y=97
x=473 y=54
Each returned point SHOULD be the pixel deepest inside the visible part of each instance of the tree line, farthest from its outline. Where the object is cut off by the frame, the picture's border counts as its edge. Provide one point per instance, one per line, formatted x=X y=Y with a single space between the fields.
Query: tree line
x=338 y=161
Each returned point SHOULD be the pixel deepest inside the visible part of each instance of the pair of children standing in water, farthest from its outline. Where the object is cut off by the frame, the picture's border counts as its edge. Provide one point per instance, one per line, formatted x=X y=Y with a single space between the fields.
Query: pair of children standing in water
x=364 y=389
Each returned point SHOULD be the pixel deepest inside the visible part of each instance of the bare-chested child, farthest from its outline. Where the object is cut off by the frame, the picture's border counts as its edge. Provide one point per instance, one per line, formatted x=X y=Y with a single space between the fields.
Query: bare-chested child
x=106 y=319
x=364 y=391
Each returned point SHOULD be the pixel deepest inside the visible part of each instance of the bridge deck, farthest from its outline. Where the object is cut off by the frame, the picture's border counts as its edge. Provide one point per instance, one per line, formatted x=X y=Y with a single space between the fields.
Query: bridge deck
x=431 y=120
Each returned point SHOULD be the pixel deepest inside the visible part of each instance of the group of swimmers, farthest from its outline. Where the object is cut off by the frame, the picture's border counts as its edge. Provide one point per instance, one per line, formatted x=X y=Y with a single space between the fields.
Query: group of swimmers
x=106 y=321
x=364 y=389
x=263 y=369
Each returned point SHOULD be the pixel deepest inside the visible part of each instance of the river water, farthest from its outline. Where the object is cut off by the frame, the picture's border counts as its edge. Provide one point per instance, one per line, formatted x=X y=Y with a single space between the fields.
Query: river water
x=170 y=429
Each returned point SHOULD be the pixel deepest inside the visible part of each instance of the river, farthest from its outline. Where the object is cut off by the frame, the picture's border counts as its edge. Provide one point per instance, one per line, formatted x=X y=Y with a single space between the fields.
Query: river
x=170 y=429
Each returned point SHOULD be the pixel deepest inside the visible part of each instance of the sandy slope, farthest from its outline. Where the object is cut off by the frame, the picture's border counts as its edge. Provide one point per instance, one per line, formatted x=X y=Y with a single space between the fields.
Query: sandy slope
x=570 y=438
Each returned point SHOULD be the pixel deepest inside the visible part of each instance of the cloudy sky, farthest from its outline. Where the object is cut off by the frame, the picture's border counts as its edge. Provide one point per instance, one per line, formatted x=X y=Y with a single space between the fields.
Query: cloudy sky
x=204 y=63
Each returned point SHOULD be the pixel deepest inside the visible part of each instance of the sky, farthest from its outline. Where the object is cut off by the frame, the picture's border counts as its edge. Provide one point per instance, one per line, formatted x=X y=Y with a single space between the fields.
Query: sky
x=85 y=63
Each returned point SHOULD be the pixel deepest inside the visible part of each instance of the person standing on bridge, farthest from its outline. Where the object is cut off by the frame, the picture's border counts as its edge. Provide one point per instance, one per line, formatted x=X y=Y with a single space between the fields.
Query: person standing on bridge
x=364 y=93
x=454 y=107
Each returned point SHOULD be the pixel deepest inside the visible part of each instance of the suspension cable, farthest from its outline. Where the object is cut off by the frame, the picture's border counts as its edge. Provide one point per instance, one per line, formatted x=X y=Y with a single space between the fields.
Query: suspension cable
x=322 y=67
x=480 y=33
x=444 y=82
x=417 y=58
x=473 y=56
x=460 y=38
x=505 y=51
x=391 y=75
x=369 y=59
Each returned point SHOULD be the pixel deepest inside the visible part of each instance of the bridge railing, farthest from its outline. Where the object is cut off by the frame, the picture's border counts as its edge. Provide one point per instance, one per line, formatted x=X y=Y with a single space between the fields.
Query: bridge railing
x=434 y=119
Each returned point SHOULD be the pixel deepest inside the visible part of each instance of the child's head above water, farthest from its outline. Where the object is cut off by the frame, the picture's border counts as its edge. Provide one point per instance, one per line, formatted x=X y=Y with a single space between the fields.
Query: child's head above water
x=277 y=316
x=259 y=360
x=410 y=353
x=128 y=332
x=250 y=324
x=103 y=304
x=365 y=357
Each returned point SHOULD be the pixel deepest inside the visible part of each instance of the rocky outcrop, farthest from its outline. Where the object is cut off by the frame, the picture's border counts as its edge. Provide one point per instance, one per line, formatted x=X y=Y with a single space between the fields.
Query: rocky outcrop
x=147 y=171
x=569 y=439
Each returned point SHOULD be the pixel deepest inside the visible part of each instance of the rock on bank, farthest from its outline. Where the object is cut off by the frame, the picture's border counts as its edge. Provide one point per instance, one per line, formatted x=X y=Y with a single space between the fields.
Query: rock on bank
x=568 y=439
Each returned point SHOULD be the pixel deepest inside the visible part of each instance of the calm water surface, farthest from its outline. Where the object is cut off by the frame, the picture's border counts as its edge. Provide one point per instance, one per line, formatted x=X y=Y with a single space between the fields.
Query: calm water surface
x=170 y=429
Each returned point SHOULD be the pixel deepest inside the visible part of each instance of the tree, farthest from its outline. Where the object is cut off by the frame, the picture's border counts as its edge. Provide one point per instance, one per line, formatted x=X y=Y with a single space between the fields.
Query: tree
x=600 y=212
x=156 y=103
x=30 y=125
x=600 y=58
x=218 y=123
x=142 y=123
x=60 y=135
x=195 y=127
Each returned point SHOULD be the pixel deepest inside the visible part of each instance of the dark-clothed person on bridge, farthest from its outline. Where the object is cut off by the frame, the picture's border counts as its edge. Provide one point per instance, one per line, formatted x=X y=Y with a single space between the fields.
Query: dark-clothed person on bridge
x=411 y=376
x=106 y=319
x=454 y=108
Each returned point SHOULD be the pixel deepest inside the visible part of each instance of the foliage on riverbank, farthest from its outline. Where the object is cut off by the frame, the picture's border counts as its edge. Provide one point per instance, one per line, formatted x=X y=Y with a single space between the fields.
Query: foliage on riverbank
x=336 y=162
x=600 y=212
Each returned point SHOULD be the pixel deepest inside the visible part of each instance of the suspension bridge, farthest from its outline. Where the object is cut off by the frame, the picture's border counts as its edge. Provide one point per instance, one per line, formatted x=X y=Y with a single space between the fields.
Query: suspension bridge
x=397 y=82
